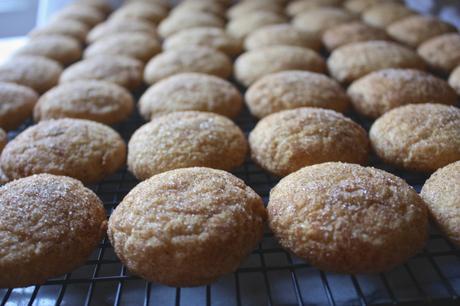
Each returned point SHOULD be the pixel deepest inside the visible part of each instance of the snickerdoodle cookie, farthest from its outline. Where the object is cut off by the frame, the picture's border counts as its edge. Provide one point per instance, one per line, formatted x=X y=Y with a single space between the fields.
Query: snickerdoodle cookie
x=186 y=139
x=352 y=61
x=243 y=8
x=191 y=7
x=254 y=64
x=179 y=22
x=150 y=12
x=191 y=91
x=281 y=35
x=286 y=141
x=187 y=227
x=297 y=7
x=37 y=72
x=187 y=59
x=85 y=150
x=16 y=104
x=347 y=218
x=243 y=26
x=418 y=137
x=121 y=70
x=67 y=27
x=441 y=52
x=112 y=27
x=82 y=13
x=293 y=89
x=92 y=100
x=385 y=13
x=414 y=30
x=359 y=6
x=454 y=80
x=320 y=19
x=49 y=226
x=378 y=92
x=441 y=193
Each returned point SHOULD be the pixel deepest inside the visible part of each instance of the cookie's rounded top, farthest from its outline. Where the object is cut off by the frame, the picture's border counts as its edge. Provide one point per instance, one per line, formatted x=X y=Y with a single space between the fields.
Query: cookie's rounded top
x=150 y=12
x=254 y=64
x=441 y=193
x=178 y=22
x=383 y=90
x=66 y=27
x=414 y=30
x=281 y=34
x=191 y=7
x=293 y=89
x=359 y=6
x=83 y=13
x=137 y=45
x=166 y=4
x=16 y=104
x=111 y=27
x=299 y=6
x=211 y=37
x=209 y=220
x=454 y=80
x=441 y=52
x=351 y=32
x=61 y=48
x=121 y=70
x=186 y=139
x=188 y=59
x=243 y=26
x=102 y=6
x=93 y=100
x=288 y=140
x=50 y=225
x=83 y=149
x=345 y=66
x=37 y=72
x=383 y=14
x=347 y=218
x=320 y=19
x=418 y=137
x=249 y=7
x=191 y=91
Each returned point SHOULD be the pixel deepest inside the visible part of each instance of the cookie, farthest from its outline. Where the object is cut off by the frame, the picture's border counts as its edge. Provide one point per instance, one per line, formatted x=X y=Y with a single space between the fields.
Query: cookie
x=50 y=225
x=210 y=37
x=36 y=72
x=380 y=91
x=191 y=59
x=136 y=45
x=210 y=222
x=85 y=14
x=441 y=194
x=418 y=137
x=99 y=101
x=191 y=7
x=347 y=218
x=186 y=139
x=112 y=27
x=165 y=4
x=191 y=91
x=243 y=8
x=243 y=26
x=82 y=149
x=345 y=66
x=286 y=141
x=454 y=80
x=351 y=32
x=67 y=27
x=293 y=89
x=121 y=70
x=299 y=6
x=415 y=30
x=102 y=6
x=150 y=12
x=281 y=35
x=359 y=6
x=254 y=64
x=62 y=49
x=178 y=22
x=385 y=13
x=441 y=52
x=320 y=19
x=16 y=104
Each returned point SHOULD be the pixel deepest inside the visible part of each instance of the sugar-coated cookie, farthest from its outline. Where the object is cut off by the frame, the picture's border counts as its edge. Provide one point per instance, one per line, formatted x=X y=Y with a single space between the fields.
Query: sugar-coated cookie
x=16 y=104
x=441 y=52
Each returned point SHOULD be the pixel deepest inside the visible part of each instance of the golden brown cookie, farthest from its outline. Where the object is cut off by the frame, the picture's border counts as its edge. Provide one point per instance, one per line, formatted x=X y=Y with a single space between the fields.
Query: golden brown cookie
x=286 y=141
x=454 y=80
x=178 y=22
x=359 y=6
x=16 y=104
x=209 y=220
x=99 y=101
x=191 y=7
x=441 y=194
x=245 y=25
x=254 y=64
x=50 y=225
x=186 y=139
x=243 y=8
x=415 y=30
x=293 y=89
x=441 y=52
x=351 y=32
x=383 y=14
x=36 y=72
x=67 y=27
x=111 y=27
x=281 y=35
x=191 y=91
x=136 y=45
x=62 y=49
x=418 y=137
x=83 y=13
x=297 y=7
x=121 y=70
x=190 y=59
x=83 y=149
x=320 y=19
x=150 y=12
x=210 y=37
x=355 y=60
x=380 y=91
x=347 y=218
